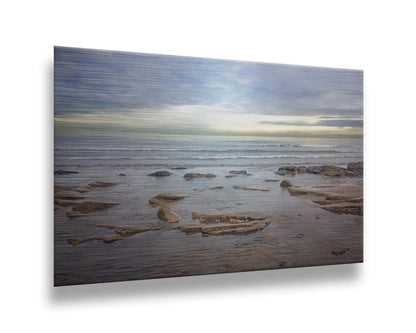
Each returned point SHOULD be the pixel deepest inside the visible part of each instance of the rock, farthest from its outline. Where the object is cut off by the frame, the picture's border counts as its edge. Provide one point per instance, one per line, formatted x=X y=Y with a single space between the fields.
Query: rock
x=162 y=173
x=224 y=229
x=129 y=231
x=179 y=168
x=335 y=173
x=301 y=169
x=166 y=198
x=122 y=233
x=286 y=183
x=316 y=216
x=357 y=168
x=239 y=172
x=339 y=193
x=166 y=214
x=89 y=206
x=209 y=188
x=65 y=203
x=272 y=180
x=248 y=188
x=314 y=169
x=191 y=175
x=122 y=174
x=340 y=252
x=79 y=189
x=64 y=172
x=191 y=228
x=338 y=200
x=286 y=170
x=68 y=195
x=102 y=184
x=226 y=223
x=331 y=171
x=230 y=176
x=86 y=207
x=58 y=207
x=234 y=230
x=106 y=240
x=353 y=208
x=229 y=218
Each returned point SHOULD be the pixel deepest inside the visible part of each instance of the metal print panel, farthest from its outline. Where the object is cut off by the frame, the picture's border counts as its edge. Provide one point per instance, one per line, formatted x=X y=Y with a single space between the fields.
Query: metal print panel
x=172 y=166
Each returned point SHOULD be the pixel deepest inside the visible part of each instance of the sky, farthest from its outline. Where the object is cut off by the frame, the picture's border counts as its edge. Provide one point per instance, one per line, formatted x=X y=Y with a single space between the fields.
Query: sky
x=123 y=91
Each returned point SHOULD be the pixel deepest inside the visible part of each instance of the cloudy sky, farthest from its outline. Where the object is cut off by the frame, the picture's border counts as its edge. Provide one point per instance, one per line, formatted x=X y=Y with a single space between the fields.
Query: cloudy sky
x=120 y=91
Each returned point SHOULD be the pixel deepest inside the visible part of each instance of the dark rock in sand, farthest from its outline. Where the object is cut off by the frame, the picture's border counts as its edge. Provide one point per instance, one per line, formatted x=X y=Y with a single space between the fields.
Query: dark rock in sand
x=230 y=176
x=122 y=233
x=87 y=207
x=192 y=175
x=352 y=208
x=340 y=252
x=301 y=169
x=64 y=172
x=122 y=174
x=191 y=228
x=286 y=170
x=248 y=188
x=228 y=217
x=334 y=171
x=58 y=207
x=356 y=167
x=226 y=223
x=233 y=230
x=314 y=169
x=272 y=180
x=179 y=168
x=239 y=172
x=209 y=188
x=106 y=240
x=166 y=198
x=65 y=203
x=286 y=183
x=167 y=214
x=162 y=173
x=68 y=195
x=101 y=184
x=224 y=229
x=329 y=170
x=130 y=231
x=79 y=189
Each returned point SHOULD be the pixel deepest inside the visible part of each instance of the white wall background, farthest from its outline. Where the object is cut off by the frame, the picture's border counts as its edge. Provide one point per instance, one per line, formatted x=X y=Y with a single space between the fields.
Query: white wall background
x=378 y=37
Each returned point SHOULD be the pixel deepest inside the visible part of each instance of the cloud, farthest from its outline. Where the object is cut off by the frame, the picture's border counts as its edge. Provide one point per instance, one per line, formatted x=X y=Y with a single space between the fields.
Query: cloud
x=156 y=90
x=325 y=122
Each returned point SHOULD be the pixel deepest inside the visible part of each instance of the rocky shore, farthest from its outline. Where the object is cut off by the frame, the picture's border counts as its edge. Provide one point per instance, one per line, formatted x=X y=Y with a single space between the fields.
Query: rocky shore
x=334 y=199
x=339 y=200
x=352 y=170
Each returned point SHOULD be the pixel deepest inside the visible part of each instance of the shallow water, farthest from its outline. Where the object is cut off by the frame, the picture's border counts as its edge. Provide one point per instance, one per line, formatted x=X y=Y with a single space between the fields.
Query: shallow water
x=294 y=237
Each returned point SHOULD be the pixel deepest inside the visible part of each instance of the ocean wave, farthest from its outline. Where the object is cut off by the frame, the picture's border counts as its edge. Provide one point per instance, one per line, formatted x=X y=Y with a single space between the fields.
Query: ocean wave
x=88 y=149
x=208 y=158
x=96 y=158
x=189 y=166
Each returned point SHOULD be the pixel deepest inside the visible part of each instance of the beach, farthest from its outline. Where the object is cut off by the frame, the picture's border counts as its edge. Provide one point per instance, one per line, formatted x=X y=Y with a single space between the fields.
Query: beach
x=232 y=215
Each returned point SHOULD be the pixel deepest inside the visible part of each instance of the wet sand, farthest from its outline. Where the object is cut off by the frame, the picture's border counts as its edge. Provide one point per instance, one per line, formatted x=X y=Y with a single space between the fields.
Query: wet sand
x=299 y=231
